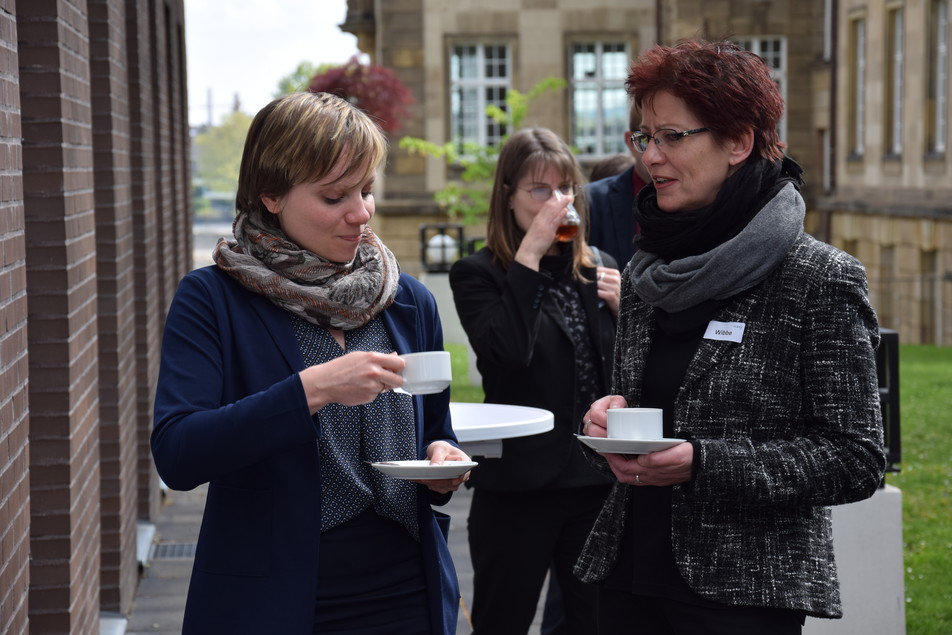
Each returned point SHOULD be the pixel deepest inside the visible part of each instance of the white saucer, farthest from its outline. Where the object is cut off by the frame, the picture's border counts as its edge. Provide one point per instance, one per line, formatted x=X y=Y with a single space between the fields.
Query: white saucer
x=628 y=446
x=422 y=470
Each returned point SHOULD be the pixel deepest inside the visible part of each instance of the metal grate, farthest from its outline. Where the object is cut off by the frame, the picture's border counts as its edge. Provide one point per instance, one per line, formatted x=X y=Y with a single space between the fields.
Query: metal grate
x=174 y=551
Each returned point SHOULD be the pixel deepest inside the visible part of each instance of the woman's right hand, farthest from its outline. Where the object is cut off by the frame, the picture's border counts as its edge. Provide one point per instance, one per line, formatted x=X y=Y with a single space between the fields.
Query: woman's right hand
x=595 y=421
x=352 y=379
x=541 y=233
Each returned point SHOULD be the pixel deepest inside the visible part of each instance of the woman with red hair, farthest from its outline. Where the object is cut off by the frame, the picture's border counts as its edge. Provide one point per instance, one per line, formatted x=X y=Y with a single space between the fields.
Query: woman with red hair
x=757 y=341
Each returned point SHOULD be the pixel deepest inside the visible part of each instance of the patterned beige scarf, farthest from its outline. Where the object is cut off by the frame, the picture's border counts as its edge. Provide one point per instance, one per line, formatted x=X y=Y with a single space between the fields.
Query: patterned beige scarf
x=331 y=295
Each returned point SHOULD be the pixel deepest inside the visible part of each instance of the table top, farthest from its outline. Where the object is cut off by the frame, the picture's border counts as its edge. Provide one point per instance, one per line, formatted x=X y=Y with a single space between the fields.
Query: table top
x=489 y=421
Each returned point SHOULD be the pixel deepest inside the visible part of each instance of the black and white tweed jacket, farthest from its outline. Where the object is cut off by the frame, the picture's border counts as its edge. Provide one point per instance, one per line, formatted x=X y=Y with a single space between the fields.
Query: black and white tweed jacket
x=787 y=423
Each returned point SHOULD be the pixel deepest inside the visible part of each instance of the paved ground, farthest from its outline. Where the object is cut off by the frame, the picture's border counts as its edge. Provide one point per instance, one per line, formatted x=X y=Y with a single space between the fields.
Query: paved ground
x=160 y=599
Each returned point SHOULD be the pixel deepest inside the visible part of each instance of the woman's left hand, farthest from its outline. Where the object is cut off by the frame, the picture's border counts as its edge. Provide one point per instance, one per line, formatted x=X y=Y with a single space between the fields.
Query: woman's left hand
x=666 y=467
x=609 y=287
x=439 y=452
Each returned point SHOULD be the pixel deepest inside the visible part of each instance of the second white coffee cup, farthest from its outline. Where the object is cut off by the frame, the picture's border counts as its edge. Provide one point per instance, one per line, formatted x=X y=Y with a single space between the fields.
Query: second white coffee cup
x=427 y=372
x=635 y=423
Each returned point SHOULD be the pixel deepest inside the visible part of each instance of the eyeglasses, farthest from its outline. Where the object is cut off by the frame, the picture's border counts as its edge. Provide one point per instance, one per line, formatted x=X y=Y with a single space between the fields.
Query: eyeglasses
x=662 y=138
x=544 y=193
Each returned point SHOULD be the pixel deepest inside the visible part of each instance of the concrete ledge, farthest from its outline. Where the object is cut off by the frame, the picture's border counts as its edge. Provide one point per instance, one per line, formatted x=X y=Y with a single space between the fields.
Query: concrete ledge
x=145 y=536
x=867 y=541
x=112 y=624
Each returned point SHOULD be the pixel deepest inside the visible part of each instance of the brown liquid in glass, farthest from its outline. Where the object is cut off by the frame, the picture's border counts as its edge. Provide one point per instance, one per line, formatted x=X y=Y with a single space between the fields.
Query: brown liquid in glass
x=565 y=233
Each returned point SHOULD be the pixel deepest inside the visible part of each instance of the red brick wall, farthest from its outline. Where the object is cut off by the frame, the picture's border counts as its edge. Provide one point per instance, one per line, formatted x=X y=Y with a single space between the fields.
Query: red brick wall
x=63 y=339
x=116 y=304
x=94 y=239
x=149 y=308
x=14 y=421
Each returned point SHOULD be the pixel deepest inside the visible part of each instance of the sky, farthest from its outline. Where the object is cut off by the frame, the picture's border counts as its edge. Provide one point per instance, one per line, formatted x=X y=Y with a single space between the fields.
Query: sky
x=247 y=46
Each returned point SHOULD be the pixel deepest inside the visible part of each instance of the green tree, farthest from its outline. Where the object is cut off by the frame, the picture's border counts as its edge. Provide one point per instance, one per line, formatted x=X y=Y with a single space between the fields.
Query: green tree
x=467 y=197
x=300 y=78
x=218 y=156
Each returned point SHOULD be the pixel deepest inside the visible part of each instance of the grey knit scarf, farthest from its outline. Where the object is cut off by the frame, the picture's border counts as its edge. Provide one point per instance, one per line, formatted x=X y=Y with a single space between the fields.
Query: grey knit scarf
x=332 y=295
x=726 y=270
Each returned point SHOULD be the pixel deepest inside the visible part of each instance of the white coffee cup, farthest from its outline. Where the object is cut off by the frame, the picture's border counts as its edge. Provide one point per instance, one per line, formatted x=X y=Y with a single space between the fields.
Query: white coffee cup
x=635 y=423
x=427 y=372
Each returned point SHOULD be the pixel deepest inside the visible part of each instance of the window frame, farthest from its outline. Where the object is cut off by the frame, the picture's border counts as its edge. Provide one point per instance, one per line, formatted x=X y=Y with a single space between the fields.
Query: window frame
x=488 y=132
x=603 y=147
x=856 y=87
x=937 y=80
x=893 y=82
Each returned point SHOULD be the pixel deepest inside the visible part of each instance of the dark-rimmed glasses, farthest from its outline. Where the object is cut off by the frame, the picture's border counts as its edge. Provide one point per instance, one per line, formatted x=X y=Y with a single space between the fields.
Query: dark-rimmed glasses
x=544 y=193
x=664 y=137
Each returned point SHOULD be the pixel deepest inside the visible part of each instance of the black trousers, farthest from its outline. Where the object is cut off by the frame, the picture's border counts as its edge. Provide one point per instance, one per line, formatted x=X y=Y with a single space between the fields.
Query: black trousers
x=371 y=580
x=513 y=539
x=621 y=613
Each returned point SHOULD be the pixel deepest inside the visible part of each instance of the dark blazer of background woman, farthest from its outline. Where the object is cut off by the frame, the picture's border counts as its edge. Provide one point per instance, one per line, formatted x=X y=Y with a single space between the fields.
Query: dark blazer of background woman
x=525 y=355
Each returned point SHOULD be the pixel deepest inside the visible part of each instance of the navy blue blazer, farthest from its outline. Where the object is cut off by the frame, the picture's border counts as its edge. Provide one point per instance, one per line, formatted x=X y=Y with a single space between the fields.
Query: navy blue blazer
x=611 y=215
x=230 y=411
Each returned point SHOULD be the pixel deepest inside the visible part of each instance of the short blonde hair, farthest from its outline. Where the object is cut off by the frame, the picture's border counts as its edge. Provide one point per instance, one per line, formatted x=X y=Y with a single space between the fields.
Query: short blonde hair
x=301 y=138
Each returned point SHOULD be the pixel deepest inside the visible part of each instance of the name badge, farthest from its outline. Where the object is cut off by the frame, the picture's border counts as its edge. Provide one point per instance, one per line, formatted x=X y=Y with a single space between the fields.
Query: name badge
x=725 y=331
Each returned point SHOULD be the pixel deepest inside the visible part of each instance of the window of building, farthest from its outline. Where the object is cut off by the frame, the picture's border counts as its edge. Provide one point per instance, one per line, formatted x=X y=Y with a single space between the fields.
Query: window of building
x=856 y=120
x=938 y=80
x=827 y=30
x=774 y=52
x=479 y=77
x=892 y=83
x=599 y=101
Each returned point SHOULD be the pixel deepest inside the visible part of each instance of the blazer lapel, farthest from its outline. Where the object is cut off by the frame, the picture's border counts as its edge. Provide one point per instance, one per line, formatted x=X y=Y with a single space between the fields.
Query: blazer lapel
x=275 y=323
x=401 y=323
x=634 y=359
x=711 y=352
x=591 y=303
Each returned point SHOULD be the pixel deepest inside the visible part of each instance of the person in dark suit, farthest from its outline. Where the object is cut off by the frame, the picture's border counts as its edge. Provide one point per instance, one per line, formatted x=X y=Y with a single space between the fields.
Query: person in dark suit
x=611 y=201
x=758 y=342
x=539 y=314
x=275 y=389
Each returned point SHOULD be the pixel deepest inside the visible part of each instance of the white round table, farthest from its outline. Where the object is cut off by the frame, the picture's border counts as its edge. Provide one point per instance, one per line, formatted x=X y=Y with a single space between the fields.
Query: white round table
x=480 y=427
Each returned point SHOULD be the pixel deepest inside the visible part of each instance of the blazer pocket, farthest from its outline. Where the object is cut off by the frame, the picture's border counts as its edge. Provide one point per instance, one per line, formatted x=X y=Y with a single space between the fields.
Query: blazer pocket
x=236 y=533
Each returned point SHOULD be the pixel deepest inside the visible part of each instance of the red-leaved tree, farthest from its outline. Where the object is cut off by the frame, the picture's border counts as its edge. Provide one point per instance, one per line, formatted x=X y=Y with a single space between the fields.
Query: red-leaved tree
x=374 y=89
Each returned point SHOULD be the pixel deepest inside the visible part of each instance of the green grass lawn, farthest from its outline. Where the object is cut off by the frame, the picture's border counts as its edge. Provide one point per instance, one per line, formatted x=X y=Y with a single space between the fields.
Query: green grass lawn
x=925 y=401
x=460 y=390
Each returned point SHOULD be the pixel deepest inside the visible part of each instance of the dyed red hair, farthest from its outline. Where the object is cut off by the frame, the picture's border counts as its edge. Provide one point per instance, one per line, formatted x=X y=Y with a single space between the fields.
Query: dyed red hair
x=723 y=85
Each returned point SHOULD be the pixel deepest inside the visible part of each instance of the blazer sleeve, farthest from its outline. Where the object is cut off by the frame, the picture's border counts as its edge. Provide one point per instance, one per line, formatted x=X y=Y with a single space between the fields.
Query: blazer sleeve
x=499 y=310
x=224 y=398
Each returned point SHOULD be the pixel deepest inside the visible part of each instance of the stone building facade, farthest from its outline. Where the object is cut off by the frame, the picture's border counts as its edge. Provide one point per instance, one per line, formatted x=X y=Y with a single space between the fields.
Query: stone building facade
x=95 y=230
x=891 y=201
x=888 y=205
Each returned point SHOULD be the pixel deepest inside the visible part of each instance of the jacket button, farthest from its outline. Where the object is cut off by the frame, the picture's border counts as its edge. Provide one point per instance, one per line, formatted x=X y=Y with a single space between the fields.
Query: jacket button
x=683 y=510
